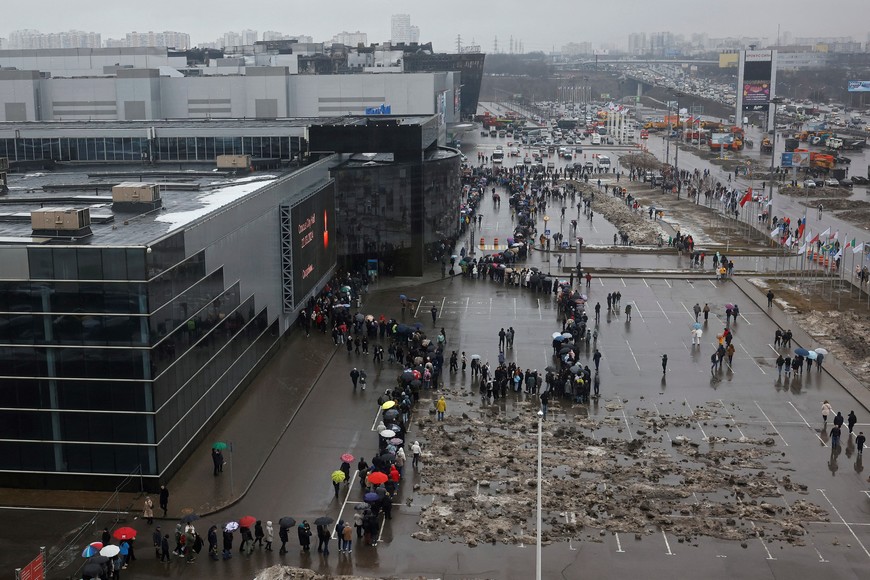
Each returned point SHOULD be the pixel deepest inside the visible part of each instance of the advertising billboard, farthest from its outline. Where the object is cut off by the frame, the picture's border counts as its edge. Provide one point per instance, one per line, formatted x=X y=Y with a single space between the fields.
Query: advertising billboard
x=756 y=93
x=800 y=159
x=313 y=240
x=721 y=138
x=859 y=86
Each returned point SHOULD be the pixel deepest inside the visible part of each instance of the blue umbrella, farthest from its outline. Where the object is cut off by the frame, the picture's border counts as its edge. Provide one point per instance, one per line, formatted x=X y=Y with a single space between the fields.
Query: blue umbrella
x=696 y=326
x=371 y=496
x=801 y=351
x=812 y=355
x=402 y=297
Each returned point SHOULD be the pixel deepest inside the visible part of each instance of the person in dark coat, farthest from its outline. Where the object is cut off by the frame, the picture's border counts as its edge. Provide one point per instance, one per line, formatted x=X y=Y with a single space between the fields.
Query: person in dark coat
x=106 y=538
x=323 y=539
x=212 y=542
x=157 y=539
x=259 y=534
x=217 y=459
x=164 y=548
x=228 y=545
x=164 y=499
x=284 y=537
x=304 y=532
x=851 y=420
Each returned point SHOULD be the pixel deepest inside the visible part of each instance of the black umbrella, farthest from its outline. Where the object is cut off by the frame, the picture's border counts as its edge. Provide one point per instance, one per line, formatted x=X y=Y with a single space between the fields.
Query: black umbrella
x=551 y=369
x=390 y=414
x=416 y=383
x=92 y=570
x=98 y=559
x=565 y=350
x=387 y=458
x=189 y=518
x=323 y=521
x=286 y=522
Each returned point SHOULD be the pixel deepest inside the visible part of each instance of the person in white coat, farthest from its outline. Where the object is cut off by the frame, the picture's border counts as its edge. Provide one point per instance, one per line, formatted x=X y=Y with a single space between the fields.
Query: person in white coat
x=270 y=534
x=827 y=409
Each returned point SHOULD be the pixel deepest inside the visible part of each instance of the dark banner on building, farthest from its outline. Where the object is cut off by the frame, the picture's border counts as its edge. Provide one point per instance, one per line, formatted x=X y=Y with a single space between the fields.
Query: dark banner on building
x=756 y=82
x=314 y=242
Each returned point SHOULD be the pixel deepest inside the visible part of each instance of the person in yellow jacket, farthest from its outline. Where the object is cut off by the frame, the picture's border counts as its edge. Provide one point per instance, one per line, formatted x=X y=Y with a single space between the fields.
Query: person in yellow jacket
x=441 y=407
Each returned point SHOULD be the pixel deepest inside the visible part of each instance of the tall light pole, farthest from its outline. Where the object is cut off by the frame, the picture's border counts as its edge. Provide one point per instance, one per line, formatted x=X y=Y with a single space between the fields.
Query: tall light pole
x=678 y=94
x=772 y=130
x=547 y=235
x=538 y=547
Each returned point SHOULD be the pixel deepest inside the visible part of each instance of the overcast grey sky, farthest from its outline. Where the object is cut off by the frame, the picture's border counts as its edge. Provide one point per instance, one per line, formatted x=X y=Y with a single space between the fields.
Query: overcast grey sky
x=540 y=24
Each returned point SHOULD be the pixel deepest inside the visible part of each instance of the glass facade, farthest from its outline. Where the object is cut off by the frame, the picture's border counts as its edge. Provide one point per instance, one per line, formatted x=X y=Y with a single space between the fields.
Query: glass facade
x=115 y=357
x=107 y=149
x=395 y=211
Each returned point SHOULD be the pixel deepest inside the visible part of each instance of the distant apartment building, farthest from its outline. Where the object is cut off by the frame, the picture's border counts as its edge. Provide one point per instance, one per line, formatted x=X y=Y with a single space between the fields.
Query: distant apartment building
x=351 y=38
x=577 y=49
x=414 y=34
x=400 y=28
x=179 y=40
x=34 y=39
x=637 y=43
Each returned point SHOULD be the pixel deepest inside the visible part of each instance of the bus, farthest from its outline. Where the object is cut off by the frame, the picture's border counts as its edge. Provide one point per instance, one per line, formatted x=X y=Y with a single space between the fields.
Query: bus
x=498 y=155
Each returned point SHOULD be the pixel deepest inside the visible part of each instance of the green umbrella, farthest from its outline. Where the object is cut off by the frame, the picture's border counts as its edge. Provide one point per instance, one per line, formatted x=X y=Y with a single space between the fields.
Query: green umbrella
x=219 y=445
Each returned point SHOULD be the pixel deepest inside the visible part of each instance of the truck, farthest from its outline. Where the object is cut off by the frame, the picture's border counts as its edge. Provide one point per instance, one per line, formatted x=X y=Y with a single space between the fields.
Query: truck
x=791 y=144
x=766 y=145
x=821 y=161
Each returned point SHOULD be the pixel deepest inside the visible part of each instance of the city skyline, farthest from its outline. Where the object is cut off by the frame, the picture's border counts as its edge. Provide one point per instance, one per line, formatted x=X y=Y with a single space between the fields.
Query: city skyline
x=444 y=23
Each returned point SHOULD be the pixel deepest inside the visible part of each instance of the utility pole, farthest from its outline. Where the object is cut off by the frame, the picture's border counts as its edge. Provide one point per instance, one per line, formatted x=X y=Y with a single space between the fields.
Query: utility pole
x=495 y=46
x=458 y=43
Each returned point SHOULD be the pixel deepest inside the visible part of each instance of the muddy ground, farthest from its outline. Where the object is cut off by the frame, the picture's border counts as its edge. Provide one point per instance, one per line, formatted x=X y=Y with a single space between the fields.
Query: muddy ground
x=481 y=472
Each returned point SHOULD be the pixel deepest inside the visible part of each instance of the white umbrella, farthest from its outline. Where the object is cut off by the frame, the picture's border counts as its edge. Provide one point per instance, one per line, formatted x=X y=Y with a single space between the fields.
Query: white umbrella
x=821 y=351
x=388 y=433
x=477 y=356
x=110 y=551
x=557 y=334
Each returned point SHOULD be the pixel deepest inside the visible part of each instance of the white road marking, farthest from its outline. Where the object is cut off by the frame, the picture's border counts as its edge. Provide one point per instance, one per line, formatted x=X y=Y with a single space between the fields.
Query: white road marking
x=698 y=423
x=668 y=282
x=752 y=359
x=733 y=421
x=771 y=423
x=624 y=285
x=467 y=301
x=441 y=312
x=816 y=433
x=689 y=312
x=540 y=314
x=644 y=281
x=350 y=486
x=668 y=435
x=667 y=544
x=711 y=284
x=627 y=426
x=419 y=303
x=746 y=319
x=663 y=312
x=619 y=549
x=848 y=526
x=632 y=355
x=636 y=309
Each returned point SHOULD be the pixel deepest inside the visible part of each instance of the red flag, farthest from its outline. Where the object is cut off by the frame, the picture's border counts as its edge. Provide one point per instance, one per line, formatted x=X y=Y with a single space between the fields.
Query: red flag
x=814 y=239
x=800 y=231
x=747 y=197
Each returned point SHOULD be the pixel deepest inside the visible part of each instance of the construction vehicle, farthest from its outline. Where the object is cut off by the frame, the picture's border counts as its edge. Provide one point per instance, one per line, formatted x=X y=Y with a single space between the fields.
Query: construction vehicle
x=766 y=145
x=791 y=144
x=834 y=143
x=713 y=126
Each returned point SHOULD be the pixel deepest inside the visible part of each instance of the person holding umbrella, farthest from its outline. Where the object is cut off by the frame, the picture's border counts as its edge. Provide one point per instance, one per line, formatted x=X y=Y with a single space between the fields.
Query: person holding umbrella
x=337 y=477
x=323 y=535
x=284 y=537
x=217 y=458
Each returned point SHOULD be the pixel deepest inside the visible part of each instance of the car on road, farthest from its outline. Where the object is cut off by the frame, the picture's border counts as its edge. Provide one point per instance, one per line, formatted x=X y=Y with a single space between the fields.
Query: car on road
x=589 y=166
x=527 y=160
x=809 y=183
x=831 y=182
x=859 y=180
x=847 y=182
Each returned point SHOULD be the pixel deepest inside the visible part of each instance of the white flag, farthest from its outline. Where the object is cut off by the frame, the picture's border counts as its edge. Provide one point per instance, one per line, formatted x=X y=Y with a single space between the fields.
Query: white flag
x=835 y=236
x=789 y=241
x=809 y=235
x=839 y=254
x=825 y=233
x=803 y=248
x=858 y=248
x=774 y=233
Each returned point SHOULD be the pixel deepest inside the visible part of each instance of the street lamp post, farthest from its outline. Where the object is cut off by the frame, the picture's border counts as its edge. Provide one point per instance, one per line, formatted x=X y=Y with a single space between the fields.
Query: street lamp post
x=774 y=102
x=538 y=546
x=547 y=235
x=677 y=146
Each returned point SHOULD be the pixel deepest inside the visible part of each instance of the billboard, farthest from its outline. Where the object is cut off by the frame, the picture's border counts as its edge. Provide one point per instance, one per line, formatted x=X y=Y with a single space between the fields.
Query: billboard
x=313 y=240
x=800 y=159
x=859 y=86
x=756 y=93
x=721 y=138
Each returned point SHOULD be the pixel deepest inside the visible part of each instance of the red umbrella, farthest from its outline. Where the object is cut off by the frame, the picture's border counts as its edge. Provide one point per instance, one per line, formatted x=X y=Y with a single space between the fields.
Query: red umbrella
x=124 y=533
x=378 y=477
x=247 y=521
x=347 y=457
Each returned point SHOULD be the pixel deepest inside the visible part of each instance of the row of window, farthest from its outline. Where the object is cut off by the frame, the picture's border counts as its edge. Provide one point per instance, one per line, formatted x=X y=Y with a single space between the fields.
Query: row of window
x=137 y=148
x=73 y=297
x=41 y=393
x=86 y=263
x=77 y=458
x=90 y=427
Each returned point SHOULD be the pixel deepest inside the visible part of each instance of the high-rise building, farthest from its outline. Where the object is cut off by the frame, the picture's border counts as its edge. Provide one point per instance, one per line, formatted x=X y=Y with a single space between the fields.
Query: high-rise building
x=179 y=40
x=249 y=37
x=351 y=38
x=414 y=35
x=400 y=29
x=637 y=43
x=32 y=39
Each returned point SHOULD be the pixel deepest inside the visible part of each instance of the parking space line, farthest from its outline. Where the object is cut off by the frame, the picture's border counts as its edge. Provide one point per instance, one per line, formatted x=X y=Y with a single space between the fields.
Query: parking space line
x=540 y=314
x=733 y=421
x=752 y=359
x=668 y=282
x=746 y=319
x=711 y=284
x=842 y=519
x=636 y=309
x=619 y=549
x=816 y=433
x=637 y=364
x=663 y=312
x=441 y=312
x=467 y=301
x=687 y=310
x=667 y=544
x=624 y=285
x=773 y=348
x=644 y=281
x=419 y=303
x=659 y=415
x=490 y=307
x=771 y=423
x=698 y=423
x=627 y=426
x=758 y=537
x=515 y=308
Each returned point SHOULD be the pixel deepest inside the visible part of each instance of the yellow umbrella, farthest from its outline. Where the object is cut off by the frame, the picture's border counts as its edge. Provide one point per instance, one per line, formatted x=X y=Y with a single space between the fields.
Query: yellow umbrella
x=338 y=476
x=388 y=405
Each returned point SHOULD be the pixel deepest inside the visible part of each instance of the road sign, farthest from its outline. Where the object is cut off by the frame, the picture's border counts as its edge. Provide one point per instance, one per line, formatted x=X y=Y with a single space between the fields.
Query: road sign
x=547 y=232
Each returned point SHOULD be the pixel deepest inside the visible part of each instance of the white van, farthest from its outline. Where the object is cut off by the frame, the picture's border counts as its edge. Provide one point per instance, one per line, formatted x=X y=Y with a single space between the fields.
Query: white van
x=596 y=139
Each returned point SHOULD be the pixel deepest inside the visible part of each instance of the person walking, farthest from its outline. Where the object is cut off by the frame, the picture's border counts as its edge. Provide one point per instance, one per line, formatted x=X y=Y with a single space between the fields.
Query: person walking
x=729 y=352
x=664 y=363
x=363 y=379
x=270 y=535
x=714 y=361
x=596 y=358
x=323 y=539
x=779 y=362
x=148 y=510
x=628 y=312
x=835 y=436
x=859 y=442
x=284 y=537
x=434 y=312
x=827 y=409
x=157 y=539
x=851 y=420
x=441 y=407
x=164 y=548
x=597 y=312
x=259 y=534
x=706 y=311
x=354 y=377
x=217 y=459
x=164 y=499
x=303 y=530
x=416 y=450
x=838 y=419
x=697 y=310
x=502 y=335
x=769 y=298
x=347 y=538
